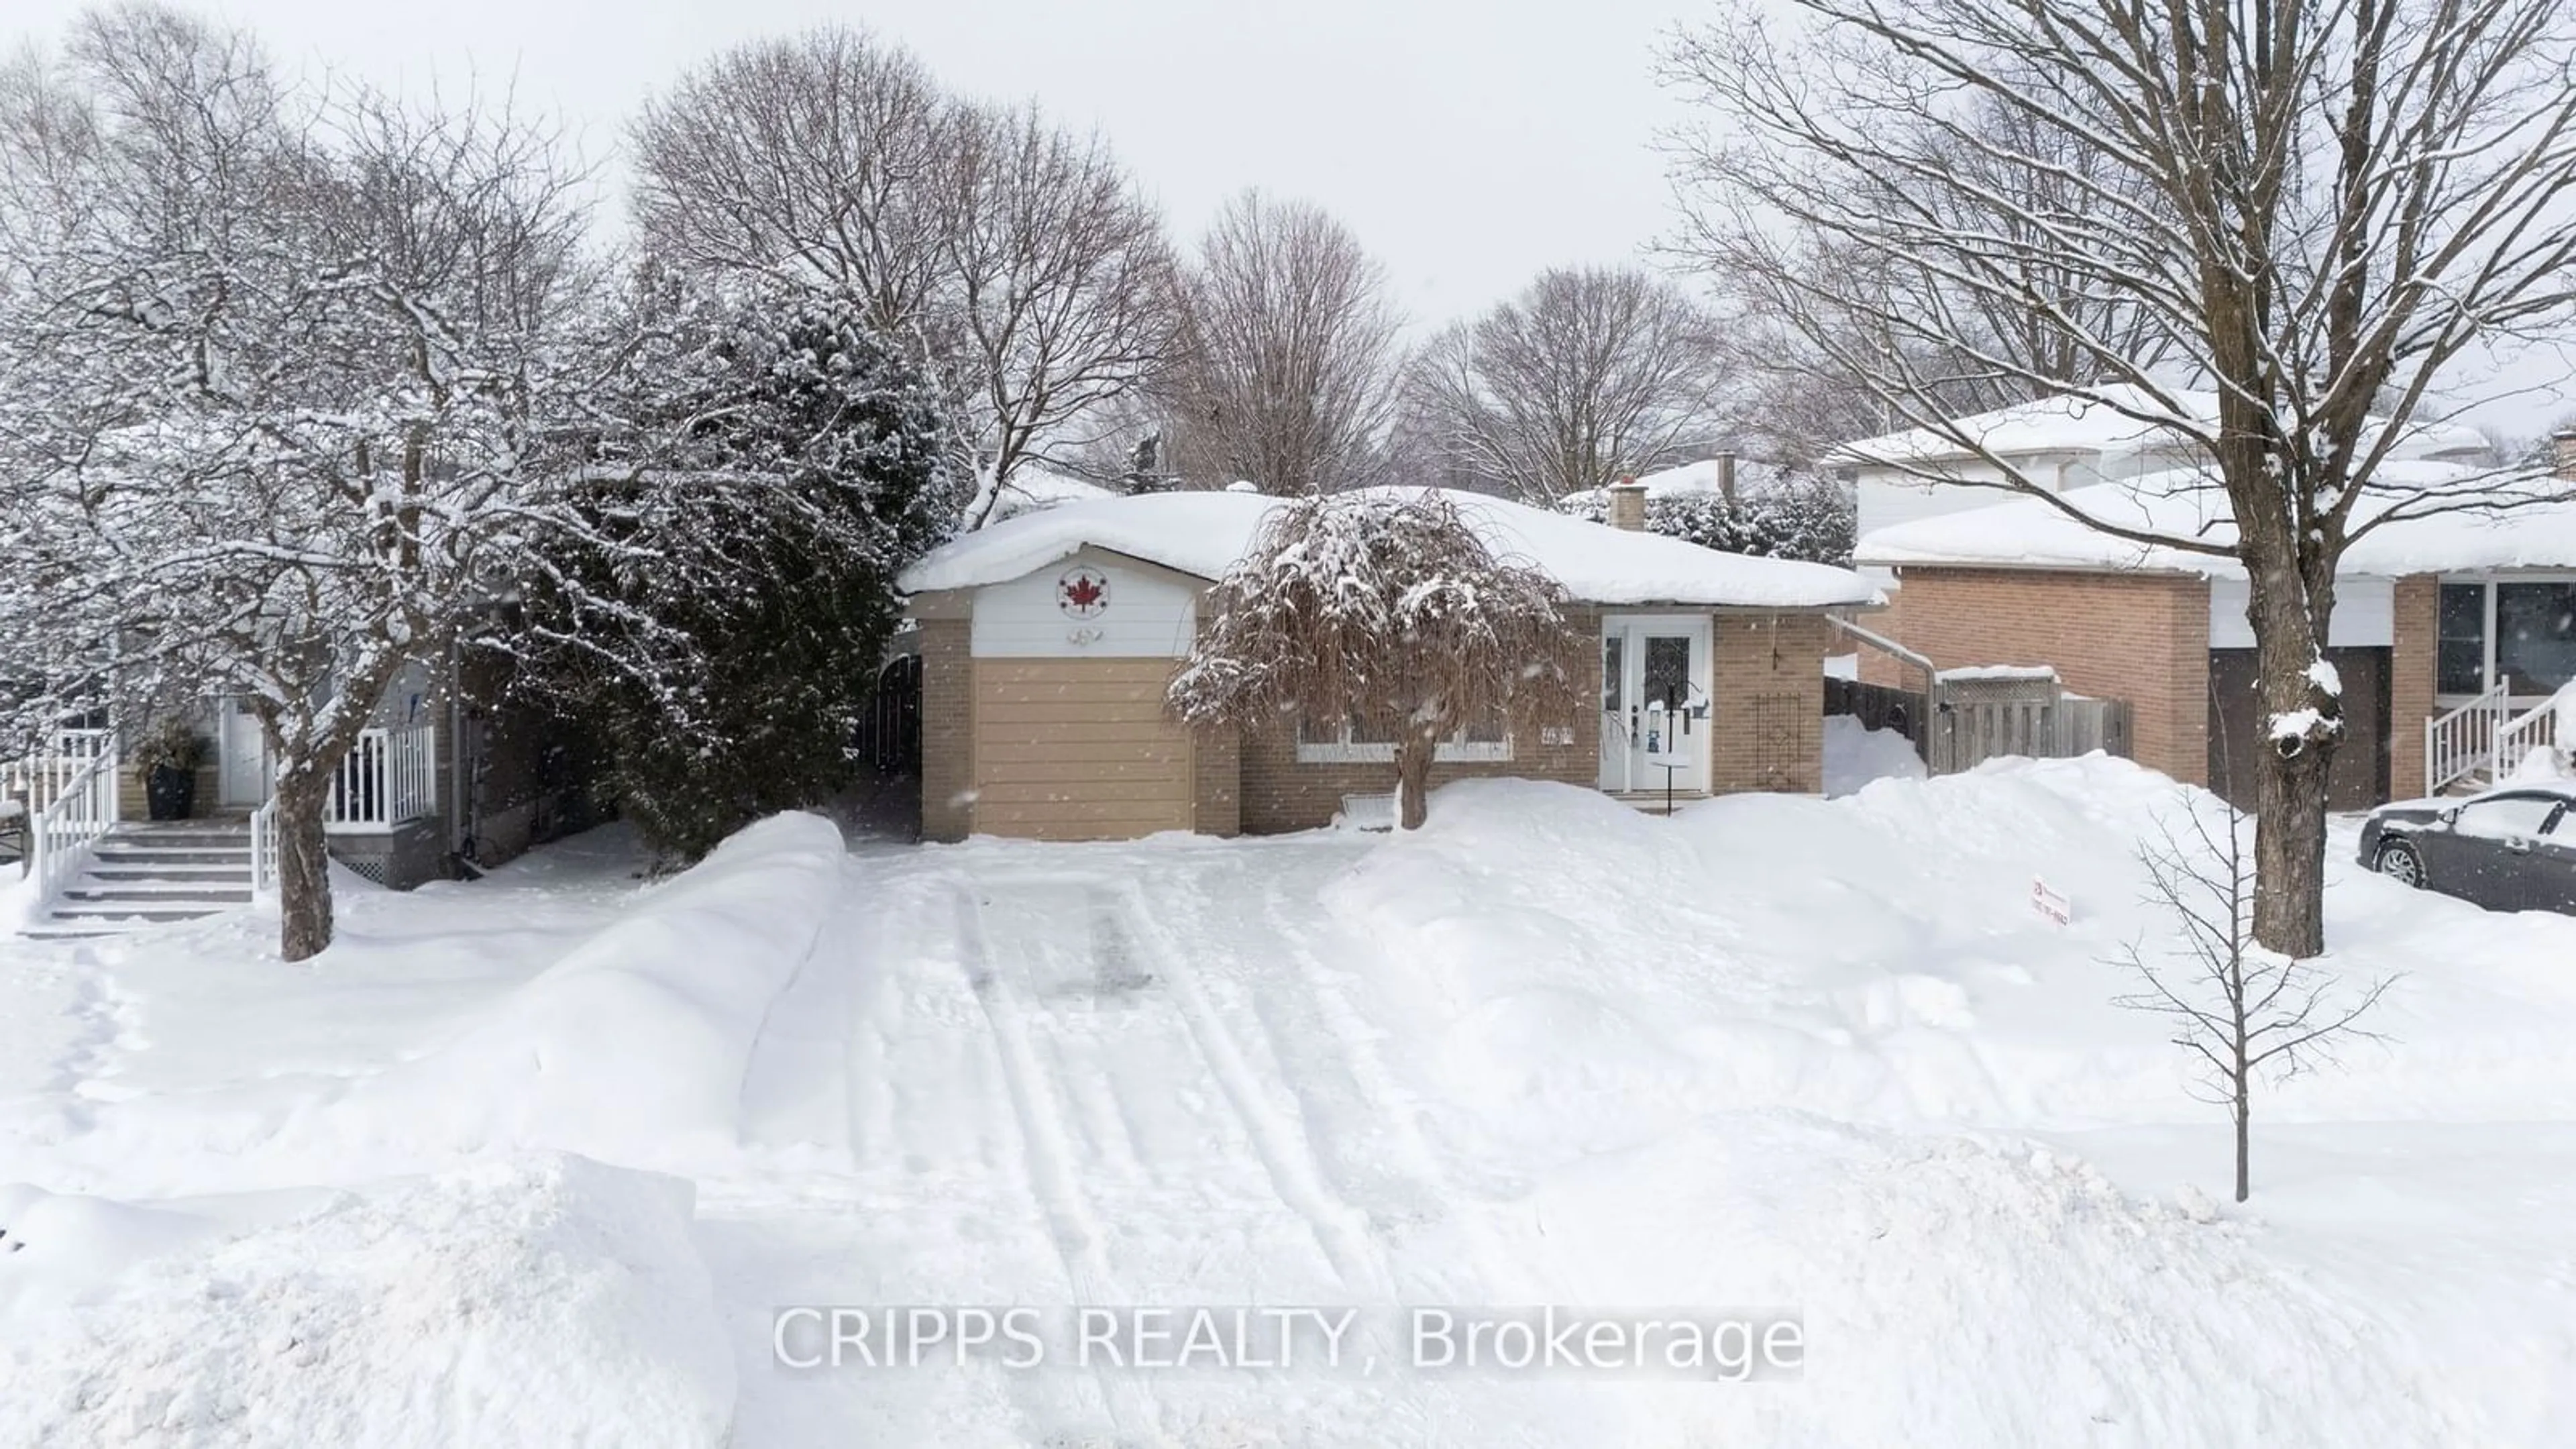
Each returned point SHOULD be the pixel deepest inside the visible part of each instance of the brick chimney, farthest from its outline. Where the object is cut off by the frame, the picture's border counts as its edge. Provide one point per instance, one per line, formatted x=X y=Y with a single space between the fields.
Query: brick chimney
x=1628 y=505
x=2562 y=452
x=1725 y=475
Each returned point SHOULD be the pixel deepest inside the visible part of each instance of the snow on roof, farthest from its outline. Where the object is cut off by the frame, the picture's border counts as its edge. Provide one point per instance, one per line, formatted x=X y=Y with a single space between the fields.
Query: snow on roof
x=1035 y=487
x=2033 y=533
x=1203 y=534
x=2111 y=420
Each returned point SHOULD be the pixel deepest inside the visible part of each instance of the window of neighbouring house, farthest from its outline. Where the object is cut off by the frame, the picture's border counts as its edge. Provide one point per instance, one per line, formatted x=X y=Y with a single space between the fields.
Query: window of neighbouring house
x=2535 y=635
x=2462 y=663
x=2518 y=632
x=1356 y=744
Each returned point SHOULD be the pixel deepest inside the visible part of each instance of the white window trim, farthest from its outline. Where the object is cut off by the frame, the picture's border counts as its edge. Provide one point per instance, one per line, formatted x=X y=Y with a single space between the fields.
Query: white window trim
x=1455 y=750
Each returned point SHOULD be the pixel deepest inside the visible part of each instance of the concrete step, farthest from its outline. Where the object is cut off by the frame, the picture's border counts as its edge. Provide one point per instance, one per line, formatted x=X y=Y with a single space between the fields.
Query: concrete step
x=113 y=912
x=176 y=894
x=129 y=857
x=181 y=874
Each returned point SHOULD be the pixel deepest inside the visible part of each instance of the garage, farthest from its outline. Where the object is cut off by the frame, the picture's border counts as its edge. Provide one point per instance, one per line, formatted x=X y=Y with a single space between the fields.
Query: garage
x=1078 y=749
x=2358 y=778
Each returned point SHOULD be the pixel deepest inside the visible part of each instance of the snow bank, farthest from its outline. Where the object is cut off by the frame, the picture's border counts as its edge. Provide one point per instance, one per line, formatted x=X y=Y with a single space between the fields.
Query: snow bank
x=546 y=1301
x=1855 y=756
x=1982 y=1291
x=633 y=1047
x=1203 y=534
x=1579 y=976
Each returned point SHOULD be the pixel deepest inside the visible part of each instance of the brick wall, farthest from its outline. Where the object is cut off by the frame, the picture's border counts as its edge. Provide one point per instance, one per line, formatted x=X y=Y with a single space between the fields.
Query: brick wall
x=947 y=728
x=1877 y=666
x=1216 y=758
x=1281 y=794
x=2412 y=673
x=1768 y=713
x=2139 y=637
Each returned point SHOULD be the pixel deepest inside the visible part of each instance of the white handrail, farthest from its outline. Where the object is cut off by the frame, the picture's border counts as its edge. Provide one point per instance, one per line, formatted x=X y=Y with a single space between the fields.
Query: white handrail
x=2536 y=729
x=263 y=849
x=2463 y=742
x=82 y=809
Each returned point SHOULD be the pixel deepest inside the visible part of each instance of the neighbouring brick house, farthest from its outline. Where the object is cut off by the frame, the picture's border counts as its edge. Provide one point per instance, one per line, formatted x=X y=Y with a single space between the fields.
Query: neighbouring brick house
x=2446 y=628
x=1047 y=642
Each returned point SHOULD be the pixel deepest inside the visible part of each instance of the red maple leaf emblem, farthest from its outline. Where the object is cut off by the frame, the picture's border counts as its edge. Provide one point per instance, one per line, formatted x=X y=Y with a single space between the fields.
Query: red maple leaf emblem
x=1083 y=593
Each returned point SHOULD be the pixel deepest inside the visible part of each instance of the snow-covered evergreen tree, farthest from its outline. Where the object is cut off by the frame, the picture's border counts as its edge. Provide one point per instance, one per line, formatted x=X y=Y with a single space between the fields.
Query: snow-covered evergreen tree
x=720 y=634
x=1793 y=515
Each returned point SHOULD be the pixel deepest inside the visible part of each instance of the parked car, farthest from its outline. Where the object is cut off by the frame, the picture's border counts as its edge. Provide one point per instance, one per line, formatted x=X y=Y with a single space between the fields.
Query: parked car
x=2510 y=849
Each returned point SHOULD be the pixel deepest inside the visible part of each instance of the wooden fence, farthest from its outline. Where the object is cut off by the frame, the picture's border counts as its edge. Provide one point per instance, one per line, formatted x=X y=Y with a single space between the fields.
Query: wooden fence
x=1968 y=732
x=1973 y=725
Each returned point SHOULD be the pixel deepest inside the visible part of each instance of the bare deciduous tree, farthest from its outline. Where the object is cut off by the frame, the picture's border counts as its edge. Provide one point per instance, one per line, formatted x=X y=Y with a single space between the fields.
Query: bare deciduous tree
x=2246 y=1015
x=1290 y=374
x=1065 y=293
x=2312 y=208
x=1589 y=374
x=1020 y=258
x=1388 y=611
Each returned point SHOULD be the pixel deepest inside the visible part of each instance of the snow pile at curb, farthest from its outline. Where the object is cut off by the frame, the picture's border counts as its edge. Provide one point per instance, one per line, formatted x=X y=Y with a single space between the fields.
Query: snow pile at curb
x=1579 y=976
x=633 y=1048
x=1961 y=1291
x=547 y=1301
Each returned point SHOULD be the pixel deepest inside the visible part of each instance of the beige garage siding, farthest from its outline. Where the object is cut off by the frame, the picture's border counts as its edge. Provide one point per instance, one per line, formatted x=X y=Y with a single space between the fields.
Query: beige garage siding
x=1078 y=749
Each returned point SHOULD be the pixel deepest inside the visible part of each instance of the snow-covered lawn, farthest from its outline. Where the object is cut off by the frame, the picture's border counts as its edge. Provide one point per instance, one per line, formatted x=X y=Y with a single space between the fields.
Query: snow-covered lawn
x=1774 y=1054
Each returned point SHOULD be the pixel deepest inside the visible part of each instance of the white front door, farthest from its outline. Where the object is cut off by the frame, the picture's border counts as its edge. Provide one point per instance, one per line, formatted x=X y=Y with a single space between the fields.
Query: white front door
x=1656 y=688
x=241 y=749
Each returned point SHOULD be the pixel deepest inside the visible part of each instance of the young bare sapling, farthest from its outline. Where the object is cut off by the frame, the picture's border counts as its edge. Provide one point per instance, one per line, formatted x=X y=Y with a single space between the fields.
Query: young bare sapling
x=2246 y=1015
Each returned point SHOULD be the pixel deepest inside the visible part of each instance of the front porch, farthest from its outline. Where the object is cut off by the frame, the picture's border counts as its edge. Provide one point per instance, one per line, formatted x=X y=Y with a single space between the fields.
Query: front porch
x=77 y=805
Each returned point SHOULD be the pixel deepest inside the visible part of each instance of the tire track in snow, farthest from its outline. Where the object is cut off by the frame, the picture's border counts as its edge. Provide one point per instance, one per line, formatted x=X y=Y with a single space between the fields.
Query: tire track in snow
x=1073 y=1224
x=1286 y=1159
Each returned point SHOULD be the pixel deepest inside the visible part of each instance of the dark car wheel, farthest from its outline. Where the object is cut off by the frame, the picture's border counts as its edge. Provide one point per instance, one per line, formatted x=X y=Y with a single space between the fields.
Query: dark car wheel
x=2398 y=861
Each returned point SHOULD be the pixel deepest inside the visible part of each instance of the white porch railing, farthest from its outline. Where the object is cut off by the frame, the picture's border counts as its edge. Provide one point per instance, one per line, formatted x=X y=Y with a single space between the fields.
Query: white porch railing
x=38 y=780
x=2463 y=743
x=263 y=849
x=2485 y=737
x=386 y=780
x=2537 y=729
x=79 y=805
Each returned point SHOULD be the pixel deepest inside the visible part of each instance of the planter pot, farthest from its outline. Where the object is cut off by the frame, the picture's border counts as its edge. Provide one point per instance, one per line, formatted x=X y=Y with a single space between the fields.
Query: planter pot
x=170 y=794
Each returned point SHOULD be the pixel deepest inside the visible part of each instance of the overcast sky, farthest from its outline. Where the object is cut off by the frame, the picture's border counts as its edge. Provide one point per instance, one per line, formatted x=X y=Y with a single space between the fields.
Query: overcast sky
x=1468 y=142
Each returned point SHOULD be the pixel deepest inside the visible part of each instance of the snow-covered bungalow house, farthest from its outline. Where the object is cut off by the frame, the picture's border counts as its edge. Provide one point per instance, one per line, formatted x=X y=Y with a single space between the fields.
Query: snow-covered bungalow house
x=2451 y=633
x=1048 y=640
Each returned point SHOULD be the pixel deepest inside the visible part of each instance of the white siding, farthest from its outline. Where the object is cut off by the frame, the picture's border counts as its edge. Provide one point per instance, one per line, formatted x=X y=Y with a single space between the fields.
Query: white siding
x=1149 y=615
x=2365 y=615
x=1887 y=497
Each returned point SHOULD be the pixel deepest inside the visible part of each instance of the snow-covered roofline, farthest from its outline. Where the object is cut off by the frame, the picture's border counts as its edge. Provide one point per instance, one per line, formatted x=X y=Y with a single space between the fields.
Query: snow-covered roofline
x=2033 y=533
x=2108 y=421
x=1204 y=534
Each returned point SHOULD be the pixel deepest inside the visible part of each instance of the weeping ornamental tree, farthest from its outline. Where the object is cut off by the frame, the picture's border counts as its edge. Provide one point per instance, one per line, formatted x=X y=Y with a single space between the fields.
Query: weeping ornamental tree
x=2318 y=209
x=1386 y=610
